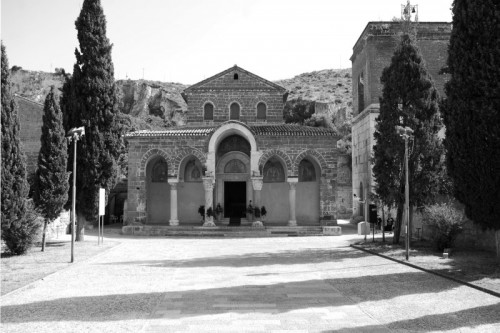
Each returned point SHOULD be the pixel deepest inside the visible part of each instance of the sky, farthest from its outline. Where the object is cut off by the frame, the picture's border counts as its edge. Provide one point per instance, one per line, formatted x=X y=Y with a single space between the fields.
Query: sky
x=187 y=41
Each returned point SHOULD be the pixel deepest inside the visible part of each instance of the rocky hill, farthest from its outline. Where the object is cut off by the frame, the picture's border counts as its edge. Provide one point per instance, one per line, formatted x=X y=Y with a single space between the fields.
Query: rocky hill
x=154 y=104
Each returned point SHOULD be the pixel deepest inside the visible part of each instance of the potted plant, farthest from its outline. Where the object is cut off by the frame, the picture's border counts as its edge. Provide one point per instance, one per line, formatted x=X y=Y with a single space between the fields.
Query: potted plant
x=263 y=213
x=210 y=212
x=250 y=211
x=201 y=211
x=209 y=218
x=218 y=211
x=258 y=222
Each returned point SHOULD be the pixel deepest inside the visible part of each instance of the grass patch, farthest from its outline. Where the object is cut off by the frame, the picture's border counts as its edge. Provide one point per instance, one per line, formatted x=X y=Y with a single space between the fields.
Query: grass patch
x=18 y=271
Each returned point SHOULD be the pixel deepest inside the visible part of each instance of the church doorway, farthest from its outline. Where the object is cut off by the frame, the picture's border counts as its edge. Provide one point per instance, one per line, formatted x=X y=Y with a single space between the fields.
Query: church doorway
x=235 y=199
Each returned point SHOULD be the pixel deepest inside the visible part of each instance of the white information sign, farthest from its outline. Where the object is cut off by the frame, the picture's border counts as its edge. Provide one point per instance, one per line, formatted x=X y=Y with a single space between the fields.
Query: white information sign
x=102 y=205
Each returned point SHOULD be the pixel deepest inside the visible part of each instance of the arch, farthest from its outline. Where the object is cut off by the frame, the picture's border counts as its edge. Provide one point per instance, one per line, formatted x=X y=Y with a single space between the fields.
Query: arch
x=152 y=153
x=317 y=157
x=234 y=110
x=157 y=205
x=207 y=113
x=285 y=159
x=274 y=171
x=183 y=155
x=308 y=170
x=229 y=128
x=261 y=110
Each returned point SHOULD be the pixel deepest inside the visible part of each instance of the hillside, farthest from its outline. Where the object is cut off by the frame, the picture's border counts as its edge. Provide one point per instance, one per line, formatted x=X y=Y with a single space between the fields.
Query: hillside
x=154 y=104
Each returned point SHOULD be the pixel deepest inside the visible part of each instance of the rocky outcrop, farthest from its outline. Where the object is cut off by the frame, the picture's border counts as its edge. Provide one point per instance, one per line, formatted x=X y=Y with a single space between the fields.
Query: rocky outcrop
x=142 y=98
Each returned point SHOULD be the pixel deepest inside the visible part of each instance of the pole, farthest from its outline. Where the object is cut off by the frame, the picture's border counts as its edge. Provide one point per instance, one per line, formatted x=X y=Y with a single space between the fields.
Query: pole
x=73 y=200
x=407 y=200
x=99 y=231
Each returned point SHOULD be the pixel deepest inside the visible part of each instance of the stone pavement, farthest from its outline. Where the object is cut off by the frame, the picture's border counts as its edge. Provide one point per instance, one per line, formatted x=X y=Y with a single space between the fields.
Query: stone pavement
x=289 y=284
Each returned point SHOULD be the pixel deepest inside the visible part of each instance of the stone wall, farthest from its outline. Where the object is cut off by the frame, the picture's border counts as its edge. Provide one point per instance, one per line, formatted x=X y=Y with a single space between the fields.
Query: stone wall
x=30 y=119
x=375 y=47
x=291 y=149
x=221 y=101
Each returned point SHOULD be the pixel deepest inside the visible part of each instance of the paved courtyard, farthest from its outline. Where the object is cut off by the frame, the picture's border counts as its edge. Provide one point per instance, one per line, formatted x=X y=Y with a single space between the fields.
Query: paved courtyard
x=290 y=284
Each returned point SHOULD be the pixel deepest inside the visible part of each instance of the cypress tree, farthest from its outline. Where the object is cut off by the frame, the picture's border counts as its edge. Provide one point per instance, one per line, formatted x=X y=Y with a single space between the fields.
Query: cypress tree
x=408 y=99
x=19 y=225
x=51 y=179
x=89 y=100
x=472 y=110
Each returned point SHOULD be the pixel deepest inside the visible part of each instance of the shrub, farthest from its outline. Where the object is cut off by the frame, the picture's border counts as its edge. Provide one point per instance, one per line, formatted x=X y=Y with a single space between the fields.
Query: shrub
x=447 y=223
x=356 y=219
x=263 y=211
x=210 y=212
x=201 y=211
x=22 y=233
x=256 y=211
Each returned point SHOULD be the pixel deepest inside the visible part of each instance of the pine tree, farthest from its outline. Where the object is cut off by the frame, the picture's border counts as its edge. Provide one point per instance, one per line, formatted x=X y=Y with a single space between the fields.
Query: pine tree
x=51 y=180
x=19 y=225
x=472 y=110
x=409 y=96
x=89 y=99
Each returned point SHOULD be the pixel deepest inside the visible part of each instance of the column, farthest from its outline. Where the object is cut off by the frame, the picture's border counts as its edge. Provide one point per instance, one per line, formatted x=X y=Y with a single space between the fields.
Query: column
x=208 y=184
x=173 y=202
x=292 y=182
x=257 y=187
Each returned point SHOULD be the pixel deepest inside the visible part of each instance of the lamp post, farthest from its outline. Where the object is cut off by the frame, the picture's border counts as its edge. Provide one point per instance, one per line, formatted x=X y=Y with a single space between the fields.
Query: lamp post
x=74 y=135
x=406 y=133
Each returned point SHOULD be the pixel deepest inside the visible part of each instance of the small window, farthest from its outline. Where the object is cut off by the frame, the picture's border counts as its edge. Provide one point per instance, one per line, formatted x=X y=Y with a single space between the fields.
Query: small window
x=234 y=111
x=261 y=110
x=235 y=76
x=208 y=111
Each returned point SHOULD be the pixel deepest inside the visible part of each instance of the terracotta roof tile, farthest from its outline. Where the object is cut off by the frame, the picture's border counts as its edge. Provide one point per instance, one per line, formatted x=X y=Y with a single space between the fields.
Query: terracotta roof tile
x=258 y=130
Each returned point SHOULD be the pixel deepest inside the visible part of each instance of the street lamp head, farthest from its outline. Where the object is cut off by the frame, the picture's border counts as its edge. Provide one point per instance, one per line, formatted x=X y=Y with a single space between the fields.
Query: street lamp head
x=77 y=132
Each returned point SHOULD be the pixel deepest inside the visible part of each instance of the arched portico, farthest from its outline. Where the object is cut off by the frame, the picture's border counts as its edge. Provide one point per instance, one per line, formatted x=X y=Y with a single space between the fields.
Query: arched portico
x=225 y=130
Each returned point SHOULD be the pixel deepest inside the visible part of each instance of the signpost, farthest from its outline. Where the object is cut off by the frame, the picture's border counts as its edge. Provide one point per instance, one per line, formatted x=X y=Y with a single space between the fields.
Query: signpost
x=102 y=206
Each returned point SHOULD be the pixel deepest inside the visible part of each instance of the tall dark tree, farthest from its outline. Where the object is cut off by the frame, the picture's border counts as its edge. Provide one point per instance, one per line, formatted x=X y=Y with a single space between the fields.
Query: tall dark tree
x=51 y=179
x=89 y=99
x=408 y=99
x=472 y=110
x=19 y=227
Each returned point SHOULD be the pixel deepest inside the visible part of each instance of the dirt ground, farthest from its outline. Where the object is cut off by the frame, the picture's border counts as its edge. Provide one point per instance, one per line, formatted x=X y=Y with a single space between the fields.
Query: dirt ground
x=18 y=271
x=480 y=268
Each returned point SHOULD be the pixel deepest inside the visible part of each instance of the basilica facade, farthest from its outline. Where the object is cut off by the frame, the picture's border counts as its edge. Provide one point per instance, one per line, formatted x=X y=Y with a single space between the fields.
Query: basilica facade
x=236 y=150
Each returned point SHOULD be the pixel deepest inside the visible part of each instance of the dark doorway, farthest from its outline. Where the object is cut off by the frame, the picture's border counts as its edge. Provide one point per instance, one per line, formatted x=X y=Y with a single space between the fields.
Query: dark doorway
x=235 y=196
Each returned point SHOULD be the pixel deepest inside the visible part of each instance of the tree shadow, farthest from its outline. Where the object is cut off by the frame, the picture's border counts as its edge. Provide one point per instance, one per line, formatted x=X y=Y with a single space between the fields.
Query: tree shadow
x=469 y=318
x=309 y=256
x=268 y=298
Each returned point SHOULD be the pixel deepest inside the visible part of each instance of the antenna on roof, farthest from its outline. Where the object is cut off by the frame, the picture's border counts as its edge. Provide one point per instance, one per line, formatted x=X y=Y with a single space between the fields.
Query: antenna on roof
x=408 y=10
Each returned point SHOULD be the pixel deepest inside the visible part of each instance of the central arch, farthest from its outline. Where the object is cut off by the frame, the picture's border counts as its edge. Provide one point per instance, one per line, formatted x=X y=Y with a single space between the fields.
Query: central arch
x=227 y=129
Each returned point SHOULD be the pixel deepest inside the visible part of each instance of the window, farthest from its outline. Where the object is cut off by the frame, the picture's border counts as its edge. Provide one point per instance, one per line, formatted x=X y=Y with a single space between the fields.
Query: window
x=208 y=111
x=235 y=76
x=234 y=111
x=261 y=110
x=273 y=172
x=361 y=93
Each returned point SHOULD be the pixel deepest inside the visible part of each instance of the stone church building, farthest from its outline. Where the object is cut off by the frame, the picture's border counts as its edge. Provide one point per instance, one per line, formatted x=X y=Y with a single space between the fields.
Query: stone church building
x=235 y=149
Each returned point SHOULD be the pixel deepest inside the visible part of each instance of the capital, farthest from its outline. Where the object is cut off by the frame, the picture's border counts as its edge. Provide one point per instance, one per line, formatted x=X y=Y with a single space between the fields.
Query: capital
x=257 y=183
x=292 y=182
x=173 y=183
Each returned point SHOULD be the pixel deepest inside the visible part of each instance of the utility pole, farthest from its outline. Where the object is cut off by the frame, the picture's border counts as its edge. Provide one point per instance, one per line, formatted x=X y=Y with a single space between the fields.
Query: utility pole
x=74 y=135
x=406 y=133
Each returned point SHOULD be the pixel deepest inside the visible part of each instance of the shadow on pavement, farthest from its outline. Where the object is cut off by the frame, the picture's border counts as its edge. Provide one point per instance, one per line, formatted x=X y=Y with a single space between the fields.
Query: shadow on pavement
x=274 y=298
x=470 y=318
x=257 y=259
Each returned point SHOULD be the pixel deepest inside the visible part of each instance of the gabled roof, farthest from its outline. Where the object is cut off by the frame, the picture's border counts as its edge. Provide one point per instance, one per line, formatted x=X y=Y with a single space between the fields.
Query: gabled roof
x=213 y=82
x=256 y=129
